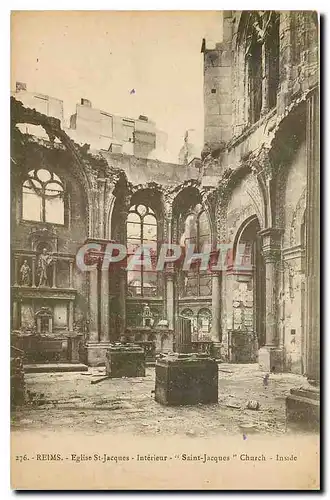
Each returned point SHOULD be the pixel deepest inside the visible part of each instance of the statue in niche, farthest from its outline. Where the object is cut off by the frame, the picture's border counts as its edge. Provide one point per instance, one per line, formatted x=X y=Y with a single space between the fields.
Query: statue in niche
x=25 y=273
x=147 y=316
x=44 y=262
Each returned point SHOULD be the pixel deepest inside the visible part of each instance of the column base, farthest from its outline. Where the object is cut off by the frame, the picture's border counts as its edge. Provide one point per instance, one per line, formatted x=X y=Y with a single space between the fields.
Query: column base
x=303 y=408
x=96 y=353
x=271 y=359
x=216 y=350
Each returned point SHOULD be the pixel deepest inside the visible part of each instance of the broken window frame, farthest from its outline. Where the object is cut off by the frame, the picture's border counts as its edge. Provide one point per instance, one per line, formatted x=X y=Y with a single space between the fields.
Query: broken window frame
x=134 y=209
x=33 y=184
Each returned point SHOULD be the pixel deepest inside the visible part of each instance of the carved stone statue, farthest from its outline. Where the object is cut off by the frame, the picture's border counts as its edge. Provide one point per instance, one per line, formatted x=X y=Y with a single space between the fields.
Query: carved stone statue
x=25 y=273
x=44 y=262
x=147 y=316
x=146 y=311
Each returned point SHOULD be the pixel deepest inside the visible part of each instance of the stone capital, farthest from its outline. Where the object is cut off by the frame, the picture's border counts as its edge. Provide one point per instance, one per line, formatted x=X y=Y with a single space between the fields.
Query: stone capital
x=271 y=236
x=169 y=271
x=271 y=244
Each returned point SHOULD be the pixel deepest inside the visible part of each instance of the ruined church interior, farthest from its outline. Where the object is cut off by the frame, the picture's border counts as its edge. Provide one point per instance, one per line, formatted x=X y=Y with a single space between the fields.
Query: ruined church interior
x=255 y=183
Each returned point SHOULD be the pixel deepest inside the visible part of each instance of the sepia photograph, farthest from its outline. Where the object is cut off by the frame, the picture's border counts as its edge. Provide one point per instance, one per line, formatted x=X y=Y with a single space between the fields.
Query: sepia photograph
x=165 y=250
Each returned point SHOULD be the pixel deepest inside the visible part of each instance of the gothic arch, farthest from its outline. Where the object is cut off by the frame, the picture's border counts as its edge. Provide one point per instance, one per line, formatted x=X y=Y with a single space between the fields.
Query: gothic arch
x=230 y=181
x=52 y=126
x=193 y=194
x=288 y=138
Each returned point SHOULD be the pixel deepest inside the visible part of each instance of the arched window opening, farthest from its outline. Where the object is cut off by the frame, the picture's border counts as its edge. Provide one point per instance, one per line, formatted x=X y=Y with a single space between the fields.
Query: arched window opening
x=204 y=323
x=195 y=230
x=262 y=46
x=273 y=58
x=188 y=314
x=141 y=229
x=254 y=60
x=43 y=197
x=249 y=307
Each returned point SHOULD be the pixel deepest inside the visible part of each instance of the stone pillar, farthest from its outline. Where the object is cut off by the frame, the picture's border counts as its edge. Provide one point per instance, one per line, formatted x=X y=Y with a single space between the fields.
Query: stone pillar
x=271 y=355
x=34 y=259
x=170 y=298
x=122 y=300
x=105 y=305
x=216 y=313
x=313 y=242
x=98 y=343
x=93 y=306
x=16 y=278
x=54 y=274
x=70 y=316
x=15 y=318
x=70 y=273
x=50 y=325
x=101 y=222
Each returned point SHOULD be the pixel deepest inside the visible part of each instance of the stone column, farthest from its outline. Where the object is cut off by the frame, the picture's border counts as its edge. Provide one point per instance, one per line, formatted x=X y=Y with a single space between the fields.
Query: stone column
x=313 y=242
x=216 y=306
x=101 y=222
x=105 y=305
x=34 y=259
x=54 y=274
x=170 y=298
x=93 y=306
x=70 y=317
x=216 y=313
x=50 y=327
x=15 y=317
x=70 y=273
x=122 y=300
x=168 y=272
x=16 y=278
x=271 y=356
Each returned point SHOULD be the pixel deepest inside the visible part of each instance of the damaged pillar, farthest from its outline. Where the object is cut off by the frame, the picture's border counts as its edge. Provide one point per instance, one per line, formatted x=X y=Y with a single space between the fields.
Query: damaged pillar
x=170 y=298
x=313 y=242
x=93 y=306
x=104 y=298
x=122 y=300
x=96 y=351
x=271 y=355
x=216 y=313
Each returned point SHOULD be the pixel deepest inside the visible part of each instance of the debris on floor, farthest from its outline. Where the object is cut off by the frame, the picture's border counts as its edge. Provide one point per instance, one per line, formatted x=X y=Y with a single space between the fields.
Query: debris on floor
x=70 y=400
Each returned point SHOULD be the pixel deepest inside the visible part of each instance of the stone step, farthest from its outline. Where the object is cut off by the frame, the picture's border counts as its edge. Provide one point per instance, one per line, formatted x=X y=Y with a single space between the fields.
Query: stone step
x=55 y=367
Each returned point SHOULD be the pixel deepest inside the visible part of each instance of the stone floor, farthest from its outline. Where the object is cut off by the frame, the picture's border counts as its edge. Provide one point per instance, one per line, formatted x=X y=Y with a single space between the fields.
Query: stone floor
x=69 y=401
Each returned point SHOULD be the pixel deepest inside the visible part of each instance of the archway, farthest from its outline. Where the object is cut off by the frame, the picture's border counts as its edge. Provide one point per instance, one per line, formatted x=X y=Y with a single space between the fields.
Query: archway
x=247 y=332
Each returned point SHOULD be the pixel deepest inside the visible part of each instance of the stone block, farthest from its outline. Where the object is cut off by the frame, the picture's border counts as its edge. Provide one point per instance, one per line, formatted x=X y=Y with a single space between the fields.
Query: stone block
x=186 y=379
x=125 y=360
x=96 y=353
x=303 y=408
x=271 y=359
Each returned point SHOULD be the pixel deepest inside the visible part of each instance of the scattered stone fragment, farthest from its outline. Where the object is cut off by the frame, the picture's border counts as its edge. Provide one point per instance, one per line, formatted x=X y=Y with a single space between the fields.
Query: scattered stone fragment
x=231 y=405
x=253 y=405
x=247 y=427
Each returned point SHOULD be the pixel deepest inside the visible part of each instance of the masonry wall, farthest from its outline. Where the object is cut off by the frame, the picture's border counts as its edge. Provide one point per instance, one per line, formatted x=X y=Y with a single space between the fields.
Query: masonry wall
x=292 y=317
